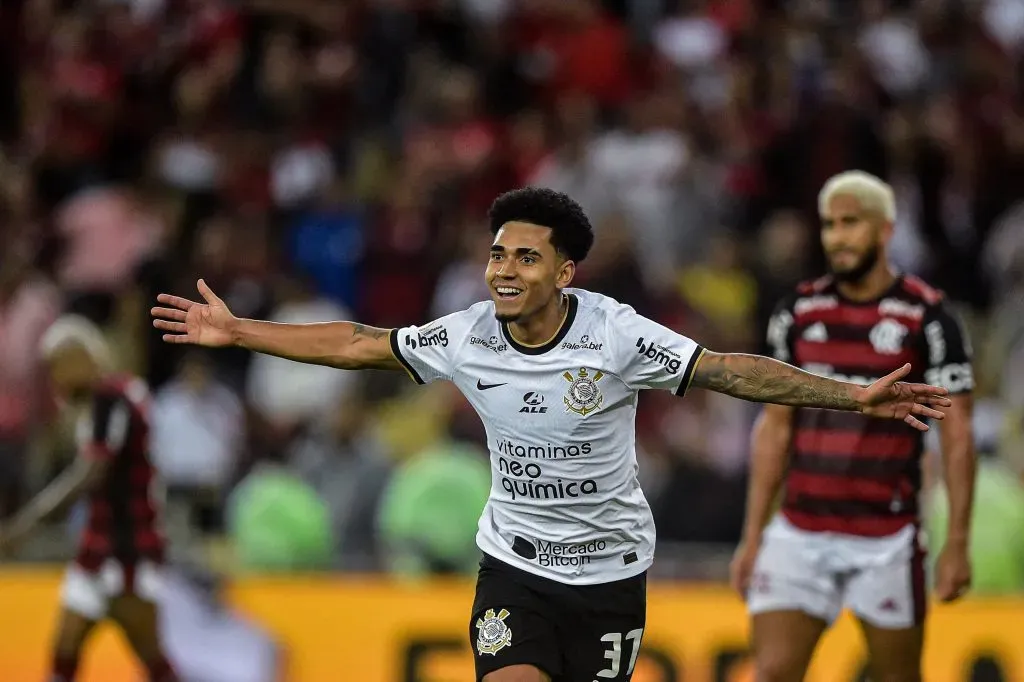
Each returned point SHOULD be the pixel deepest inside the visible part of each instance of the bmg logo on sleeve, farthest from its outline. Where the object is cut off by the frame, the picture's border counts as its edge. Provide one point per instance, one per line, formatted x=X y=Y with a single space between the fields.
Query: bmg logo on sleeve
x=435 y=336
x=659 y=354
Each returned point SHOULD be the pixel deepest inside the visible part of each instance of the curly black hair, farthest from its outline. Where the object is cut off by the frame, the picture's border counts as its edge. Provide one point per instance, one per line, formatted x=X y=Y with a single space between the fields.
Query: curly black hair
x=571 y=233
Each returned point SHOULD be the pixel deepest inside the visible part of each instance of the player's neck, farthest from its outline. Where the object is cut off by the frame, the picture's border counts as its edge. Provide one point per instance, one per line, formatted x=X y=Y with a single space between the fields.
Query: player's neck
x=871 y=286
x=542 y=326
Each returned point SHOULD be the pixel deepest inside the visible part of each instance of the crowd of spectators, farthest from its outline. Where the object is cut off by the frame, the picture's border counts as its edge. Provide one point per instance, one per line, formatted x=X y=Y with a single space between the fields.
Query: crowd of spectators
x=334 y=159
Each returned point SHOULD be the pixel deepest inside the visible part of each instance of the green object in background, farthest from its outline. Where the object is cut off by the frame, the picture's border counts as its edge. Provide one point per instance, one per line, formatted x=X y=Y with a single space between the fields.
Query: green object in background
x=278 y=523
x=997 y=530
x=430 y=511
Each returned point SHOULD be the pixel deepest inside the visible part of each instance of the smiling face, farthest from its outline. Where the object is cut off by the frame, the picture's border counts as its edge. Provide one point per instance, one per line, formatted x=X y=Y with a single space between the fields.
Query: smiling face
x=853 y=239
x=525 y=273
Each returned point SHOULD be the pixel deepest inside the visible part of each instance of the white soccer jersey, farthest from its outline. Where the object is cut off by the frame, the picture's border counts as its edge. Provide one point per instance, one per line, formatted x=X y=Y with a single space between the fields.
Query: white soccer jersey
x=565 y=501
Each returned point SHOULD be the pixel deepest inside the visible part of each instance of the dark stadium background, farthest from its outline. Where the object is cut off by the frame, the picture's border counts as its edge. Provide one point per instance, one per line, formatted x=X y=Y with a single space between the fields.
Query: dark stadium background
x=326 y=159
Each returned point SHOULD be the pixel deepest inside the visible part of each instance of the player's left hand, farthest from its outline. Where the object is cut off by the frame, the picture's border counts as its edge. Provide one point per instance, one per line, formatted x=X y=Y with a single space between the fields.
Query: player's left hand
x=890 y=398
x=952 y=573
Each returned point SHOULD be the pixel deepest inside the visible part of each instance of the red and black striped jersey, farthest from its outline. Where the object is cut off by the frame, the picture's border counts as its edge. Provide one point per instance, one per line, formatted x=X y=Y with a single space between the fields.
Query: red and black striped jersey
x=124 y=509
x=849 y=473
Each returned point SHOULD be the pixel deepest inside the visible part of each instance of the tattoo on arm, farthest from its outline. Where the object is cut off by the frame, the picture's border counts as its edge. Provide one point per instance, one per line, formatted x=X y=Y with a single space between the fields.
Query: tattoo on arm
x=764 y=380
x=367 y=348
x=361 y=331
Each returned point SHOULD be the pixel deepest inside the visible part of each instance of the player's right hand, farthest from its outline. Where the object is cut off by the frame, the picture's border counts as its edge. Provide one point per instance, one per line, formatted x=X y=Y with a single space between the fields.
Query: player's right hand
x=210 y=324
x=890 y=398
x=742 y=566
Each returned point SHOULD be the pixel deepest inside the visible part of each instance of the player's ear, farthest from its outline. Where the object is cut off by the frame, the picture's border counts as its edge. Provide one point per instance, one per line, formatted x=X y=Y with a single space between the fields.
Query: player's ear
x=886 y=231
x=566 y=271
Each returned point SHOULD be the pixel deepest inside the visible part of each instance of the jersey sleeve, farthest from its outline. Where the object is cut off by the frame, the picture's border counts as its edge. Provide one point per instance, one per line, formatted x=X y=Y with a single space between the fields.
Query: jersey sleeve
x=779 y=335
x=948 y=350
x=650 y=355
x=427 y=352
x=103 y=430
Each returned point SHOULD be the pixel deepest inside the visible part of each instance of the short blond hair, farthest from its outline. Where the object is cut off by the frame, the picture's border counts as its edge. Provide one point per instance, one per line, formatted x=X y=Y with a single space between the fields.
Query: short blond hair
x=76 y=331
x=873 y=193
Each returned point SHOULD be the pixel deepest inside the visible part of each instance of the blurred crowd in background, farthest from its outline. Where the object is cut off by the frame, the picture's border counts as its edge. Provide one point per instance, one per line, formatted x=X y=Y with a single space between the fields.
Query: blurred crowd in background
x=334 y=159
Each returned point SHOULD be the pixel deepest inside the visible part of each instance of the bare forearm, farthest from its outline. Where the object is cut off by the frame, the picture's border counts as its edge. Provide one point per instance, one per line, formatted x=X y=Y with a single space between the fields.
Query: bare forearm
x=762 y=491
x=765 y=380
x=959 y=468
x=769 y=456
x=334 y=344
x=55 y=498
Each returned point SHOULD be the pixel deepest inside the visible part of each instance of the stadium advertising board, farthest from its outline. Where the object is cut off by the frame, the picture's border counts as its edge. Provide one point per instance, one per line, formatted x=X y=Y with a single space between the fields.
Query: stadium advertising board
x=338 y=630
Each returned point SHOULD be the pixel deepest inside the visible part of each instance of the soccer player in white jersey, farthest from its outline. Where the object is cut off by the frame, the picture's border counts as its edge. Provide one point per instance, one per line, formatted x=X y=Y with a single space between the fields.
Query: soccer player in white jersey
x=554 y=372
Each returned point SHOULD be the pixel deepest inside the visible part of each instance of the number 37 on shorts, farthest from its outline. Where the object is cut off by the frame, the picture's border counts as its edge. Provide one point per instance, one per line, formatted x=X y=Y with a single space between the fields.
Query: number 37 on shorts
x=620 y=645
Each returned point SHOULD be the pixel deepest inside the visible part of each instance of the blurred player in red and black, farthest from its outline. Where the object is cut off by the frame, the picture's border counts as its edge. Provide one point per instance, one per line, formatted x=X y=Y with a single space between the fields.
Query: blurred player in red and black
x=847 y=534
x=116 y=572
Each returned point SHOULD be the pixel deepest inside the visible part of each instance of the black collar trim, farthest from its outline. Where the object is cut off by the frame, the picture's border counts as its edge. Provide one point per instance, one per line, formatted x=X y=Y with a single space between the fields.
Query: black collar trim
x=570 y=317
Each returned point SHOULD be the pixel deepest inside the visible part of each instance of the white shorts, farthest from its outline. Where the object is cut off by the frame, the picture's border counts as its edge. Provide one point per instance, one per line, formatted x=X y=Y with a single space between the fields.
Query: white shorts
x=89 y=593
x=882 y=580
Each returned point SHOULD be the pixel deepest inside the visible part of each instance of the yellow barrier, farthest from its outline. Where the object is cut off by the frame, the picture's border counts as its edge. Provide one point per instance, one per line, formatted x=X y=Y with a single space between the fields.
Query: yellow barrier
x=366 y=630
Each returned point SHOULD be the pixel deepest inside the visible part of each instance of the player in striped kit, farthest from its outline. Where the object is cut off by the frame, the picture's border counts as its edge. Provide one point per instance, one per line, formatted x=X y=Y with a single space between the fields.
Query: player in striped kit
x=847 y=534
x=116 y=572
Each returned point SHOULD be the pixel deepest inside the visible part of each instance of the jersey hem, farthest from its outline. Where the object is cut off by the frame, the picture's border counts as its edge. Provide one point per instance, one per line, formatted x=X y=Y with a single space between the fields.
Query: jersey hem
x=397 y=352
x=514 y=560
x=911 y=520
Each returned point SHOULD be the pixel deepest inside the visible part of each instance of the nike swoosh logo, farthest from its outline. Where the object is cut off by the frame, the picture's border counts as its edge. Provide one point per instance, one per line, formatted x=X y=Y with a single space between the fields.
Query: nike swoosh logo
x=483 y=387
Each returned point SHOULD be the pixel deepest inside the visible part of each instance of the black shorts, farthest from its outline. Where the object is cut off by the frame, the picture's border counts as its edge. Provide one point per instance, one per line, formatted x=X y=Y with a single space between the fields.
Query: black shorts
x=574 y=633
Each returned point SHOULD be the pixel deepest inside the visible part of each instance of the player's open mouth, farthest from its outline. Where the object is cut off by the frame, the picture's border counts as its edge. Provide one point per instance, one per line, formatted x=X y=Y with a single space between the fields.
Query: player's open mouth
x=508 y=293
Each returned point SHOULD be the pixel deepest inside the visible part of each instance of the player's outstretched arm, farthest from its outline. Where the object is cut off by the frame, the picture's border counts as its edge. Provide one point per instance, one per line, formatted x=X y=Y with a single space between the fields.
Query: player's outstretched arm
x=345 y=345
x=764 y=380
x=81 y=477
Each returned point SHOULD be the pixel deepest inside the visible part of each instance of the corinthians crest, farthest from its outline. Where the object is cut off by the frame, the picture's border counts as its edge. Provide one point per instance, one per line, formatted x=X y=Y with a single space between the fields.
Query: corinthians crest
x=493 y=635
x=583 y=395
